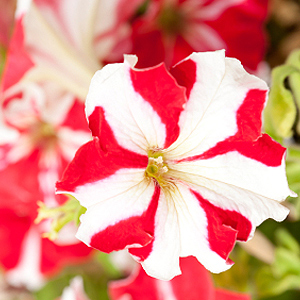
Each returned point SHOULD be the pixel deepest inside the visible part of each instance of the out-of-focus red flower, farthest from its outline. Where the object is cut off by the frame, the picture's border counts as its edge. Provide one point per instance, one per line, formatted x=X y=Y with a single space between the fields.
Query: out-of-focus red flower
x=170 y=30
x=195 y=283
x=41 y=129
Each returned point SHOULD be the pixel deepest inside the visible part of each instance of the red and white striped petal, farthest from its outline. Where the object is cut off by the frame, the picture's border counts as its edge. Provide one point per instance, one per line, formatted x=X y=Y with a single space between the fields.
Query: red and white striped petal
x=160 y=259
x=133 y=110
x=231 y=214
x=195 y=225
x=27 y=103
x=216 y=87
x=116 y=217
x=239 y=171
x=54 y=55
x=27 y=272
x=188 y=223
x=66 y=40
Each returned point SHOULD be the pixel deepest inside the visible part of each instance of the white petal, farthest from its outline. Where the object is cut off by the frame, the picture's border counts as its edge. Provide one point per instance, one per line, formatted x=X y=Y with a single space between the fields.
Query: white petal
x=119 y=197
x=52 y=50
x=210 y=113
x=192 y=222
x=235 y=182
x=135 y=124
x=163 y=261
x=239 y=171
x=116 y=185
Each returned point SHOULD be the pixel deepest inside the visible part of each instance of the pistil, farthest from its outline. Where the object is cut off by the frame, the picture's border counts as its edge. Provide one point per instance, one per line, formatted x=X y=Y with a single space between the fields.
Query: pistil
x=156 y=168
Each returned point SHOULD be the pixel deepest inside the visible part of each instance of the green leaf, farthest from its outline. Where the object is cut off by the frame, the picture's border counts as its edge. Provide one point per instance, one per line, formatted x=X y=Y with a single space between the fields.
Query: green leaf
x=285 y=239
x=54 y=288
x=268 y=285
x=280 y=112
x=286 y=263
x=107 y=265
x=95 y=279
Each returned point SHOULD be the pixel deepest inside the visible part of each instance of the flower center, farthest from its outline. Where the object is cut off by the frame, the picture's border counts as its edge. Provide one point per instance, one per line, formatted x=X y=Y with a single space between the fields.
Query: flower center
x=43 y=135
x=156 y=168
x=171 y=21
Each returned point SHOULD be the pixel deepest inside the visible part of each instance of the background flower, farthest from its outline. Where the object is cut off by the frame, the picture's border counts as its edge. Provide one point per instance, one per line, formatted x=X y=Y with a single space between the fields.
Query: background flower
x=171 y=30
x=43 y=138
x=194 y=283
x=65 y=42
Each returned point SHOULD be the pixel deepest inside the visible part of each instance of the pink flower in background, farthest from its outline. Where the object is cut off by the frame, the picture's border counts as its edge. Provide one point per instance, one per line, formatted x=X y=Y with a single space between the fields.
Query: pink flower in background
x=178 y=165
x=195 y=283
x=44 y=127
x=66 y=41
x=170 y=30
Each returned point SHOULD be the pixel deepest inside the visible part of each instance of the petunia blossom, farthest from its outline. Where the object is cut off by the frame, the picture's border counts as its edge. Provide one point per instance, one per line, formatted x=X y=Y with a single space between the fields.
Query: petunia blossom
x=65 y=41
x=170 y=30
x=178 y=165
x=195 y=283
x=42 y=128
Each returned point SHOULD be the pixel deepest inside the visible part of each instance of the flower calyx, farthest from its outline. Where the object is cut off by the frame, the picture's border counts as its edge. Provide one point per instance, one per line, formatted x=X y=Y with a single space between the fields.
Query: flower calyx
x=59 y=216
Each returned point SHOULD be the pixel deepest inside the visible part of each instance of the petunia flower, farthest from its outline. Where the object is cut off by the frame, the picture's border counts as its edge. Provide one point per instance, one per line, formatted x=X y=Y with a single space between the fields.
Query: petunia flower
x=44 y=127
x=65 y=42
x=170 y=30
x=195 y=283
x=178 y=165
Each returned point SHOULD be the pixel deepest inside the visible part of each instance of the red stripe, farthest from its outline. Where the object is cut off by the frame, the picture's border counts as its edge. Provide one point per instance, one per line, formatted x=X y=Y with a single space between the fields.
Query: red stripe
x=22 y=192
x=185 y=74
x=13 y=229
x=55 y=257
x=138 y=285
x=224 y=227
x=264 y=150
x=149 y=227
x=99 y=158
x=134 y=230
x=195 y=281
x=166 y=97
x=18 y=61
x=248 y=139
x=75 y=119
